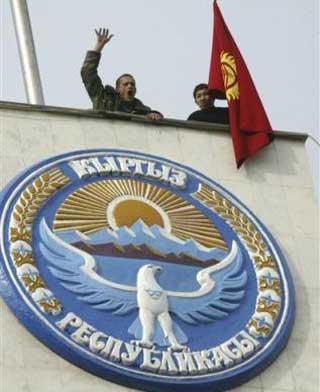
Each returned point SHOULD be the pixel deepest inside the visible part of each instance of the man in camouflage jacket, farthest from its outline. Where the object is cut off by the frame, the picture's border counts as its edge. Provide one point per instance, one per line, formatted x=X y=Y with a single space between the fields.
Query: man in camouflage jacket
x=122 y=98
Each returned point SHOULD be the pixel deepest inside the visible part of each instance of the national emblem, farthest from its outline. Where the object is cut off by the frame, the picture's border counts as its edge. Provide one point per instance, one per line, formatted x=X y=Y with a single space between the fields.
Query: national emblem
x=84 y=236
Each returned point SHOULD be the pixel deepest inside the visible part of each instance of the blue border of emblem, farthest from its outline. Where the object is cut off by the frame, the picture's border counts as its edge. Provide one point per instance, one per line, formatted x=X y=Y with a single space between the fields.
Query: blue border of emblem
x=142 y=380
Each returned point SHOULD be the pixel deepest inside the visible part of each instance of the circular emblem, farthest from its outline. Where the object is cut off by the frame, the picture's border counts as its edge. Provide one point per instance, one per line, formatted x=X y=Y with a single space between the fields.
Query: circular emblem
x=143 y=271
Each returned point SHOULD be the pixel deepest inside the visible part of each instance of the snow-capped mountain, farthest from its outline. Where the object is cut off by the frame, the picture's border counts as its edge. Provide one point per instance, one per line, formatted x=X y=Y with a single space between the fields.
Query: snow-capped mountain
x=140 y=236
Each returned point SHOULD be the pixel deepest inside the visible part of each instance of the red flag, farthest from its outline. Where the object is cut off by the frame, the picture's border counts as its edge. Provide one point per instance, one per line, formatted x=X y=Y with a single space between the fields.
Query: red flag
x=229 y=77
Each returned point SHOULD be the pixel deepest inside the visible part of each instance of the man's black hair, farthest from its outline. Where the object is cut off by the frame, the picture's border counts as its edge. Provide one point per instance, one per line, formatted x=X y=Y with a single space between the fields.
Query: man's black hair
x=201 y=86
x=122 y=76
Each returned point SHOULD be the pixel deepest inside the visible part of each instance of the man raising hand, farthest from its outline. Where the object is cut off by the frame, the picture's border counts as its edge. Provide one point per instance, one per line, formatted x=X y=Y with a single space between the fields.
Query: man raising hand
x=122 y=98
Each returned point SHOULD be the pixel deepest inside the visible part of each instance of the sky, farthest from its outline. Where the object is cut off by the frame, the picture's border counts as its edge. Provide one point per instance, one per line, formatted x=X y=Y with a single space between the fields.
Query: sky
x=166 y=45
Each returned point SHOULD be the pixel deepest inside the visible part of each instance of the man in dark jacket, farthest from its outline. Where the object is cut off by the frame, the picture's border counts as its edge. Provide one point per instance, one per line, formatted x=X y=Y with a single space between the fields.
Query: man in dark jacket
x=208 y=112
x=122 y=98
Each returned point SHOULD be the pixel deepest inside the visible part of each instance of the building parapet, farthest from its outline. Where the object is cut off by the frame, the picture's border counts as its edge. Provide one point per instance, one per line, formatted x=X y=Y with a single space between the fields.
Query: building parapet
x=99 y=114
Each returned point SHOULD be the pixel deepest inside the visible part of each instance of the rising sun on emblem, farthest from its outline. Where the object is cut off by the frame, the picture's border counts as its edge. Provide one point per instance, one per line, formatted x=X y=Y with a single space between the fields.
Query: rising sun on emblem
x=116 y=203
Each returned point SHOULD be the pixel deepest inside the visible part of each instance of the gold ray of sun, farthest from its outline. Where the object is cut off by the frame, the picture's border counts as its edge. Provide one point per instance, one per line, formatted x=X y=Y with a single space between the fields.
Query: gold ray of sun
x=115 y=203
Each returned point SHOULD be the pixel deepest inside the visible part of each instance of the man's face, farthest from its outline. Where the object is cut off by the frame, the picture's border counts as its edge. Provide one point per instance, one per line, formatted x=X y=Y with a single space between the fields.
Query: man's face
x=126 y=88
x=203 y=99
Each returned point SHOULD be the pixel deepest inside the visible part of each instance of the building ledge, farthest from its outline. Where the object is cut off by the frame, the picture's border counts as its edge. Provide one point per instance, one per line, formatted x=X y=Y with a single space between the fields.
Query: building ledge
x=99 y=114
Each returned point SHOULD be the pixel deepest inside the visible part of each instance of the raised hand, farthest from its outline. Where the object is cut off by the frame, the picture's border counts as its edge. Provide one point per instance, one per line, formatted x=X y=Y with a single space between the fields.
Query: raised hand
x=103 y=37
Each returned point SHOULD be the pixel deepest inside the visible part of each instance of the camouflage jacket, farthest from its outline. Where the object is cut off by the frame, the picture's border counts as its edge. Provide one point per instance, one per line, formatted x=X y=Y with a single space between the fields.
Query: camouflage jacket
x=106 y=97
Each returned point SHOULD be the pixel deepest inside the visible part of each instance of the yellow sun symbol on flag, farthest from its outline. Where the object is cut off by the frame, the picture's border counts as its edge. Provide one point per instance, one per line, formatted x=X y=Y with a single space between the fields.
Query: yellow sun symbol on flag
x=229 y=74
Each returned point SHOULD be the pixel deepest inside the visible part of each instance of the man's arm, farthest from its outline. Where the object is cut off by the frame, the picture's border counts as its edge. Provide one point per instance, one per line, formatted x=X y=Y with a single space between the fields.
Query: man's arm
x=144 y=110
x=89 y=70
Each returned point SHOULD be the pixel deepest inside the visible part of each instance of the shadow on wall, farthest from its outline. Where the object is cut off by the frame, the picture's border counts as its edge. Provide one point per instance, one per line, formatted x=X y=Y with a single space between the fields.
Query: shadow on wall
x=280 y=158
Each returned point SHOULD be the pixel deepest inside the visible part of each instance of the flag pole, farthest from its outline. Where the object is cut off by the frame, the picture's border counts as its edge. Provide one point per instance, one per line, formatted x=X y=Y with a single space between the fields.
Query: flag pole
x=27 y=52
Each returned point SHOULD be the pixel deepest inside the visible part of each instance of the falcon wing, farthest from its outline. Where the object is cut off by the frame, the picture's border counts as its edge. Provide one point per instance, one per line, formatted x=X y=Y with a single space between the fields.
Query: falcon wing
x=76 y=270
x=221 y=290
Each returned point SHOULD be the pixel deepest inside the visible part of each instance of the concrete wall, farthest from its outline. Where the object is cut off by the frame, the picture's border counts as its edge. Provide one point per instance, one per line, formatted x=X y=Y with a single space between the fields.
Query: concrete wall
x=275 y=185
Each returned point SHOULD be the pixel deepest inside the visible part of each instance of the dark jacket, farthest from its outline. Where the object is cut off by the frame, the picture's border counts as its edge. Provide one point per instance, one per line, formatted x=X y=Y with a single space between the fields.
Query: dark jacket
x=106 y=97
x=214 y=115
